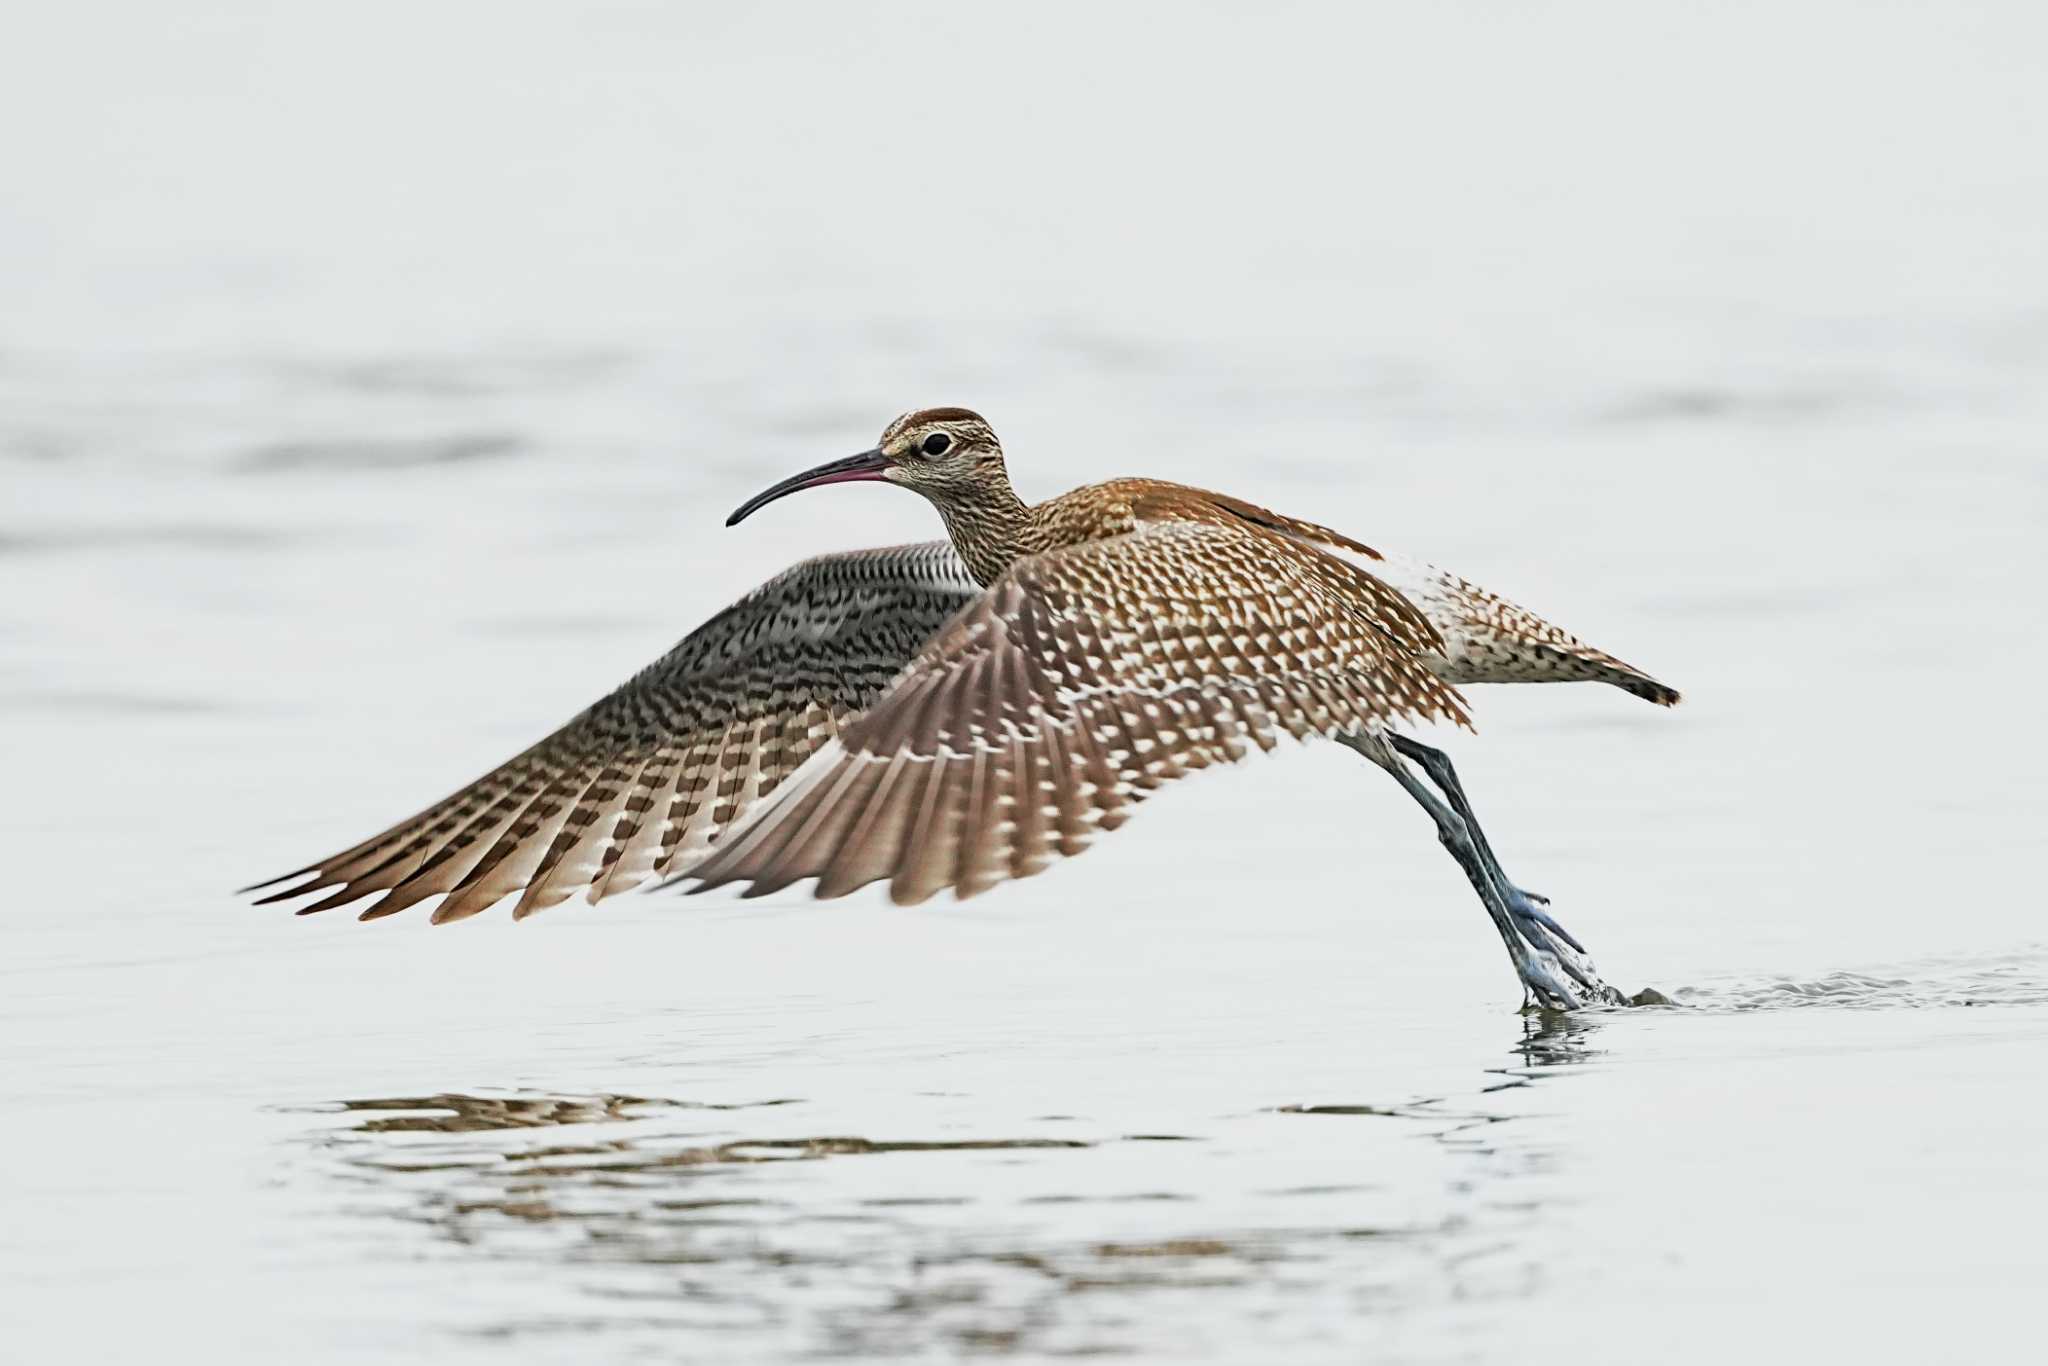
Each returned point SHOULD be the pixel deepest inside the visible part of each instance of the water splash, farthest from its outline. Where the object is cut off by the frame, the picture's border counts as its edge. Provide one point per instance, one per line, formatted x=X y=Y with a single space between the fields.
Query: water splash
x=2004 y=980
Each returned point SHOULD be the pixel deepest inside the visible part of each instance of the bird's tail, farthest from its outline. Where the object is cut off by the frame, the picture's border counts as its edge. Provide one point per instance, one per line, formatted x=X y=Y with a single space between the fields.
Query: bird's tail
x=1633 y=680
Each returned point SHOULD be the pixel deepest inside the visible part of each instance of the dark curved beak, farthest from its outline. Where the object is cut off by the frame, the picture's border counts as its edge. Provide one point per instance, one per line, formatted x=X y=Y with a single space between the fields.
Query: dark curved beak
x=866 y=465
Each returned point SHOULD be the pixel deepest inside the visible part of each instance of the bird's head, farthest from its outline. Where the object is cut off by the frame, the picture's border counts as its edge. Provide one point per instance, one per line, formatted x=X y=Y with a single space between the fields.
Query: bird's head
x=946 y=454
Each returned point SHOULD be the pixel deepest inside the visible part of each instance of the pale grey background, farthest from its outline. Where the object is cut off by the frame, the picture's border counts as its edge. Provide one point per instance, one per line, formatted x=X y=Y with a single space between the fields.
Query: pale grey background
x=373 y=382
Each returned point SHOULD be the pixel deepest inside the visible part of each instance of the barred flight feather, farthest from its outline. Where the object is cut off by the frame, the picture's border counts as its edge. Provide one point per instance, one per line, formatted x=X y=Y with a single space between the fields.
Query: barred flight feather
x=654 y=772
x=1070 y=691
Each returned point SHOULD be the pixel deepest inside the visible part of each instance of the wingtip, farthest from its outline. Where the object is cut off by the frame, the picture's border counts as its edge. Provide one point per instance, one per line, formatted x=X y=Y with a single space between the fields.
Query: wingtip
x=457 y=908
x=537 y=899
x=273 y=881
x=341 y=895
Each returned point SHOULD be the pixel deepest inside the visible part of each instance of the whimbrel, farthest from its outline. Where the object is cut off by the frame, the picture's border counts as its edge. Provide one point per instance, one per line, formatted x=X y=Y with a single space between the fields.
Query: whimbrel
x=962 y=712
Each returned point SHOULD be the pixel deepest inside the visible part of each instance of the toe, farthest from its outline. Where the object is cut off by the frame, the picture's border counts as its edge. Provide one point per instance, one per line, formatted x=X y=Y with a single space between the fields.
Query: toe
x=1530 y=908
x=1540 y=974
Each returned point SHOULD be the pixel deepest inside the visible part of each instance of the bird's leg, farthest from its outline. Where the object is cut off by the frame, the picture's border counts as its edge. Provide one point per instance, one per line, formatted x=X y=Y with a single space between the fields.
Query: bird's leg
x=1545 y=980
x=1553 y=973
x=1437 y=764
x=1536 y=923
x=1532 y=919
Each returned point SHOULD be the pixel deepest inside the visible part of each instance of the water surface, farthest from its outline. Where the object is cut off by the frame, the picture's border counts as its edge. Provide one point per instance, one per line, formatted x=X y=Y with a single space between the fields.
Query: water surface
x=349 y=443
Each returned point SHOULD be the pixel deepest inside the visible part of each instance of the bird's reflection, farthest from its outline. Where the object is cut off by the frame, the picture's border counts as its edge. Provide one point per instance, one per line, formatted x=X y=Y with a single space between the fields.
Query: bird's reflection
x=1552 y=1038
x=735 y=1218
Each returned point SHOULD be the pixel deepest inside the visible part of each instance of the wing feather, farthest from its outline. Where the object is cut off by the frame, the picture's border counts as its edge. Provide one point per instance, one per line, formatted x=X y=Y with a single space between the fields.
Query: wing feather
x=660 y=768
x=1083 y=680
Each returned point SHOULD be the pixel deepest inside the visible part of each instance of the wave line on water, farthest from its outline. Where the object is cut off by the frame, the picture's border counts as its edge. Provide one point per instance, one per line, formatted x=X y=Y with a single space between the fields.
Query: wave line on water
x=2008 y=979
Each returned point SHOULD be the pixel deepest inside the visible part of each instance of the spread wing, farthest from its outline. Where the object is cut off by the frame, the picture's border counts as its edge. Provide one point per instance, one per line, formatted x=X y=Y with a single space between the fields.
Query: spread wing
x=1082 y=680
x=652 y=773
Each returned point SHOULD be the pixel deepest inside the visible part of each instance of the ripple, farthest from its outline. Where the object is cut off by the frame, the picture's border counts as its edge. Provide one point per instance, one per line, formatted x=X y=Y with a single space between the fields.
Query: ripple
x=748 y=1239
x=105 y=702
x=2006 y=980
x=462 y=376
x=460 y=1114
x=165 y=535
x=375 y=453
x=1783 y=404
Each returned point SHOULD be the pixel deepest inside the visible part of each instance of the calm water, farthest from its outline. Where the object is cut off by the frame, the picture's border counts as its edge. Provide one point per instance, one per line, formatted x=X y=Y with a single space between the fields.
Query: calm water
x=366 y=408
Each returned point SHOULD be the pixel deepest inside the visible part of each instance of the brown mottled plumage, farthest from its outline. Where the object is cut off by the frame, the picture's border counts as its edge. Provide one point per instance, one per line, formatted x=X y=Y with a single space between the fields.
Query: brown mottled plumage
x=960 y=713
x=1084 y=678
x=652 y=773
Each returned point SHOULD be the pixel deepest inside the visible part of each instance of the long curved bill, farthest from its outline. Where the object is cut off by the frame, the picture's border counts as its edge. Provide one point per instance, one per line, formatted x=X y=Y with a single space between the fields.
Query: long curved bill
x=866 y=465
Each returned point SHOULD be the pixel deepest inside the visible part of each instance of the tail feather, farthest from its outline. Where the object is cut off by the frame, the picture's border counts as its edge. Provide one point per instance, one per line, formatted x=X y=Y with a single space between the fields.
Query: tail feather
x=1642 y=685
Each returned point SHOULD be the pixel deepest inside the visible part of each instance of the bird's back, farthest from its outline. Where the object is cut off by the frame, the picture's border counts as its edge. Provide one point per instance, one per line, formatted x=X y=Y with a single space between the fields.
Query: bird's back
x=1301 y=558
x=1096 y=512
x=1480 y=636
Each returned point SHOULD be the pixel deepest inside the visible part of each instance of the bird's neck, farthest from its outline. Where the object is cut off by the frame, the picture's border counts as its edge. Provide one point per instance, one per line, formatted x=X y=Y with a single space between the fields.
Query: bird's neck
x=989 y=525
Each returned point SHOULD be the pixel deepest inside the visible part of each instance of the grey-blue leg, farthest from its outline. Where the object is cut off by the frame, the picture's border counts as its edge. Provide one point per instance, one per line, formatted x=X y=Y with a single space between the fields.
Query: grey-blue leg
x=1527 y=906
x=1555 y=974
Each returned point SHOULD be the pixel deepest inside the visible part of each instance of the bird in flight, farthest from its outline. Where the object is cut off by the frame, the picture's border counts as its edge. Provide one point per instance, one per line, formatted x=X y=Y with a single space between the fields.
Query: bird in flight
x=961 y=712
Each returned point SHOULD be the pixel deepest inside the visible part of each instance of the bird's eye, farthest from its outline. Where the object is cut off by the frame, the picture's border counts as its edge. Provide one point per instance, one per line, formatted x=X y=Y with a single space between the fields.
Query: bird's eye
x=938 y=443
